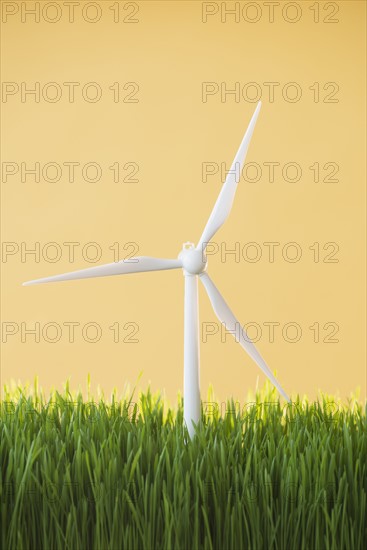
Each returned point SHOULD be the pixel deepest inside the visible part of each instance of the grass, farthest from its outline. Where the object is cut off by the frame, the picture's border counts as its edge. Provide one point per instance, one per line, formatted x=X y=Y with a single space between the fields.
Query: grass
x=113 y=474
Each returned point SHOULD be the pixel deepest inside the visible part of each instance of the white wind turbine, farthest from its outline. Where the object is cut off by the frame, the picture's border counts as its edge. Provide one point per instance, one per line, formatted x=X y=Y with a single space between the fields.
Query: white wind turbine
x=194 y=263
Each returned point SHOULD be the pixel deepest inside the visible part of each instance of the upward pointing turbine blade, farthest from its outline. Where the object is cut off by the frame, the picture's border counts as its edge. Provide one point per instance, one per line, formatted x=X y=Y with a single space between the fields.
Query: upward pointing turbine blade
x=225 y=198
x=226 y=316
x=133 y=265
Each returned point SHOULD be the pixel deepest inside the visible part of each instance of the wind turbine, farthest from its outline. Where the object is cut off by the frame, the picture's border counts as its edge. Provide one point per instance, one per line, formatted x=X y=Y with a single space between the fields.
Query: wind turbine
x=193 y=262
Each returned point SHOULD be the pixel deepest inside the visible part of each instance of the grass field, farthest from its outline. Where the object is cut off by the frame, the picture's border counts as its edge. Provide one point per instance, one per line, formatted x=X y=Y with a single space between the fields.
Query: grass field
x=117 y=474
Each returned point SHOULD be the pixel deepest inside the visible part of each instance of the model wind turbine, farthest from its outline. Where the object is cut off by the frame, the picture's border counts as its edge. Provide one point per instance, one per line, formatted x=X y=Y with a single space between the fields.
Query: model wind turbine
x=193 y=262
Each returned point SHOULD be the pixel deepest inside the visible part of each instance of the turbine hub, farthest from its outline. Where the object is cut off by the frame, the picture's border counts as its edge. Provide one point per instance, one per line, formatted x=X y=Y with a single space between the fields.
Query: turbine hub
x=193 y=260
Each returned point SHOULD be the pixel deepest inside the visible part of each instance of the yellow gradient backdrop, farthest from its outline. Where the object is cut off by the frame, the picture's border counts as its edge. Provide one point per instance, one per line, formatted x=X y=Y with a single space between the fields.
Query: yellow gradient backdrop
x=170 y=52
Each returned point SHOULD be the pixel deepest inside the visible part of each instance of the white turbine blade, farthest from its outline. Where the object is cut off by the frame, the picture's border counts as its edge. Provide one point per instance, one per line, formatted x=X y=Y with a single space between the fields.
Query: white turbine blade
x=226 y=316
x=225 y=198
x=132 y=265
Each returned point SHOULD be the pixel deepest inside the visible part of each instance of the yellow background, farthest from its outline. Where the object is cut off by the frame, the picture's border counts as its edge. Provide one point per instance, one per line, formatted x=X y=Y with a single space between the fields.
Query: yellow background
x=170 y=132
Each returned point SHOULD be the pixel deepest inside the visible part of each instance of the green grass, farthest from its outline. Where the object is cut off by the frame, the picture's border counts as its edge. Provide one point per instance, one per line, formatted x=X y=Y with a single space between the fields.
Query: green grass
x=118 y=475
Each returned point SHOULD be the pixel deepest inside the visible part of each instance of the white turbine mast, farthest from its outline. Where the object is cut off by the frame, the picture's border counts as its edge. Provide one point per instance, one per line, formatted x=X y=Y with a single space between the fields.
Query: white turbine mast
x=193 y=262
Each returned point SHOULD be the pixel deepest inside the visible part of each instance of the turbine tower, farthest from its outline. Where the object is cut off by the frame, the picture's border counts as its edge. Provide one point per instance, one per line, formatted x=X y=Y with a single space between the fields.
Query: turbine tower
x=192 y=260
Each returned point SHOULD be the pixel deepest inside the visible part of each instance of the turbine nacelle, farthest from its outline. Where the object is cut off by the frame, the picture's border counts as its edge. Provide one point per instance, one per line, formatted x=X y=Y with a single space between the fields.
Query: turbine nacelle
x=193 y=259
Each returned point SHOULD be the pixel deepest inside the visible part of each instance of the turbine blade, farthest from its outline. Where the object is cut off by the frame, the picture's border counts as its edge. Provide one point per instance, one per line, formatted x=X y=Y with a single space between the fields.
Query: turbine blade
x=226 y=316
x=132 y=265
x=226 y=196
